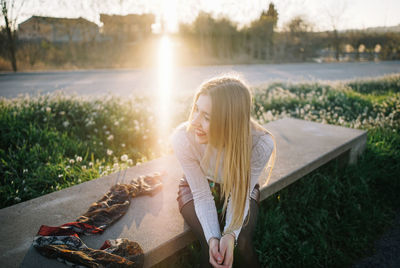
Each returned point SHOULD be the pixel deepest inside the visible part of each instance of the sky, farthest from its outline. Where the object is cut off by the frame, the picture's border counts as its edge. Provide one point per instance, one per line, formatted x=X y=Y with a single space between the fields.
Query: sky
x=323 y=14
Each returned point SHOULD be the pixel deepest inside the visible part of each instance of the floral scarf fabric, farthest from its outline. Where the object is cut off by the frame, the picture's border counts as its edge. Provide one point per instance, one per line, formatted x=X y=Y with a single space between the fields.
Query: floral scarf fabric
x=64 y=244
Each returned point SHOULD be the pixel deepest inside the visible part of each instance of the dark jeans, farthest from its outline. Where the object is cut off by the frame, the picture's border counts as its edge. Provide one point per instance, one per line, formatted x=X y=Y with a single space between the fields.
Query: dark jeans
x=245 y=255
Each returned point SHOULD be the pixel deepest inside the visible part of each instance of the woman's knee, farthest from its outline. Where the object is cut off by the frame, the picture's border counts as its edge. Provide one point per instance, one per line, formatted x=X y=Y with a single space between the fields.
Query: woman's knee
x=187 y=211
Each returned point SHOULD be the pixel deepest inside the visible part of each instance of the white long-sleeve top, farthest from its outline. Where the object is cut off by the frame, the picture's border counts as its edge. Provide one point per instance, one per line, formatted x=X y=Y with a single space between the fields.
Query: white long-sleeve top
x=190 y=153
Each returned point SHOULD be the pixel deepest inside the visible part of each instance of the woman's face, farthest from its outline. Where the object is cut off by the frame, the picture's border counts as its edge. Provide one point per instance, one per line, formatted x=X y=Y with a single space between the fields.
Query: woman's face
x=201 y=118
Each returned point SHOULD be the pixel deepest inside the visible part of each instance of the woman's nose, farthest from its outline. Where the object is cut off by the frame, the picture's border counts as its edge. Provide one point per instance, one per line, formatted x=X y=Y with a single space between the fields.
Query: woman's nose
x=196 y=118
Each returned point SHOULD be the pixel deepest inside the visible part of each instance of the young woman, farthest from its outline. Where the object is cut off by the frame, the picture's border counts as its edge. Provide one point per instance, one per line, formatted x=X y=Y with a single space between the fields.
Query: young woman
x=223 y=152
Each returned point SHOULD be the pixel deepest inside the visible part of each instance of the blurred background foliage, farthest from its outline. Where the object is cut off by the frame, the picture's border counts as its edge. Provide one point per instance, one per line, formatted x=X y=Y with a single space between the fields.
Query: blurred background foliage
x=207 y=40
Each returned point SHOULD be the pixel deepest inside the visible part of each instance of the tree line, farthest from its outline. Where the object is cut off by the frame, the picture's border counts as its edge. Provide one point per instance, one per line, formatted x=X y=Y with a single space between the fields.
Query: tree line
x=207 y=40
x=297 y=41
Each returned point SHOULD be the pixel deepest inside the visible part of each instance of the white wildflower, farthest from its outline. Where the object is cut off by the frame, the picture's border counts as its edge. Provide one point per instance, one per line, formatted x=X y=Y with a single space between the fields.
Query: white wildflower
x=67 y=167
x=90 y=164
x=115 y=166
x=116 y=123
x=100 y=143
x=123 y=145
x=83 y=167
x=66 y=124
x=60 y=175
x=48 y=109
x=25 y=170
x=268 y=116
x=124 y=158
x=129 y=161
x=107 y=132
x=104 y=127
x=78 y=159
x=71 y=161
x=110 y=138
x=61 y=113
x=17 y=199
x=109 y=152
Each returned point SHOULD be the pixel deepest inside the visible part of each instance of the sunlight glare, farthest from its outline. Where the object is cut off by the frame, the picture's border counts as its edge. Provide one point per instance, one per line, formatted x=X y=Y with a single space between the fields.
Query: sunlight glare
x=170 y=16
x=165 y=68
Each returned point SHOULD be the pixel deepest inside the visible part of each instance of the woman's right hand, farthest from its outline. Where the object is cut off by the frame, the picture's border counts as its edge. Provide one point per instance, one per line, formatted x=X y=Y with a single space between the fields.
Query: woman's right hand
x=216 y=258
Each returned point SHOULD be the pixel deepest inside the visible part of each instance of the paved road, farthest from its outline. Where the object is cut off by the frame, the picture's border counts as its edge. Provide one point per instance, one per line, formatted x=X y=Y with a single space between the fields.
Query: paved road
x=142 y=81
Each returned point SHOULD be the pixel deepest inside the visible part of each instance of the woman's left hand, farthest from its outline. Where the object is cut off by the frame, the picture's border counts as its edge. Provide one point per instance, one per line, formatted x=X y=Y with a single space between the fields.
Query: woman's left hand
x=226 y=247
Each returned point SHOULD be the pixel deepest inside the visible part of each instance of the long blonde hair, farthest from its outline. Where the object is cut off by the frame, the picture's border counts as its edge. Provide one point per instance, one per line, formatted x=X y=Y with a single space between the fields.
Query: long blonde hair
x=230 y=133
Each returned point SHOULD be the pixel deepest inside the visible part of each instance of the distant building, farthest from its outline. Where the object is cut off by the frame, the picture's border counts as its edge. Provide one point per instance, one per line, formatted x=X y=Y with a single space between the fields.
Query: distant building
x=128 y=28
x=58 y=30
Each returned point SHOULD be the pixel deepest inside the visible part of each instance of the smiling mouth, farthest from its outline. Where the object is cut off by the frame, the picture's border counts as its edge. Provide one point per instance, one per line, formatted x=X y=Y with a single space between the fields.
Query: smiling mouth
x=200 y=133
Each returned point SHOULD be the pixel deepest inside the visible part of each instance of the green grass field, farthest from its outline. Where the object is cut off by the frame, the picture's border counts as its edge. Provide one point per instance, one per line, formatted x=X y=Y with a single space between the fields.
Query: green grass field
x=329 y=218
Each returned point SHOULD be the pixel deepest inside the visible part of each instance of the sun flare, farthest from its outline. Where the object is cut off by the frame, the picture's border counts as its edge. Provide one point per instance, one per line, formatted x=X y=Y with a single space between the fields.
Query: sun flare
x=165 y=72
x=170 y=15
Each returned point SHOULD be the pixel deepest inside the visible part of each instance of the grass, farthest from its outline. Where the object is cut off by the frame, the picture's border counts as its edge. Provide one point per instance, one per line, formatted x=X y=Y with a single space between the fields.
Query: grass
x=51 y=142
x=329 y=218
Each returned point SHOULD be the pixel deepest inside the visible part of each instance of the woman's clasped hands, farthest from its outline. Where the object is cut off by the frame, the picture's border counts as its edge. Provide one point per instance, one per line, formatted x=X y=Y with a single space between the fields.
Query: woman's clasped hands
x=221 y=251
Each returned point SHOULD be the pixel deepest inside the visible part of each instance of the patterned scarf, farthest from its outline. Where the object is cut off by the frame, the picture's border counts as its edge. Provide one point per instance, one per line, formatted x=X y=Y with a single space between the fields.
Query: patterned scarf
x=63 y=242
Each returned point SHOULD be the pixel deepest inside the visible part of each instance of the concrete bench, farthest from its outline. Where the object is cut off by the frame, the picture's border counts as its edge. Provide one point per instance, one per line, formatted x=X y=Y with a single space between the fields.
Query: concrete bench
x=155 y=222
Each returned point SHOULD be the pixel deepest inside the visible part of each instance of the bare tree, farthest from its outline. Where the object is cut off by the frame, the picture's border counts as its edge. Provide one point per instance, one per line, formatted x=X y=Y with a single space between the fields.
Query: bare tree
x=203 y=25
x=262 y=33
x=336 y=15
x=223 y=32
x=10 y=13
x=298 y=41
